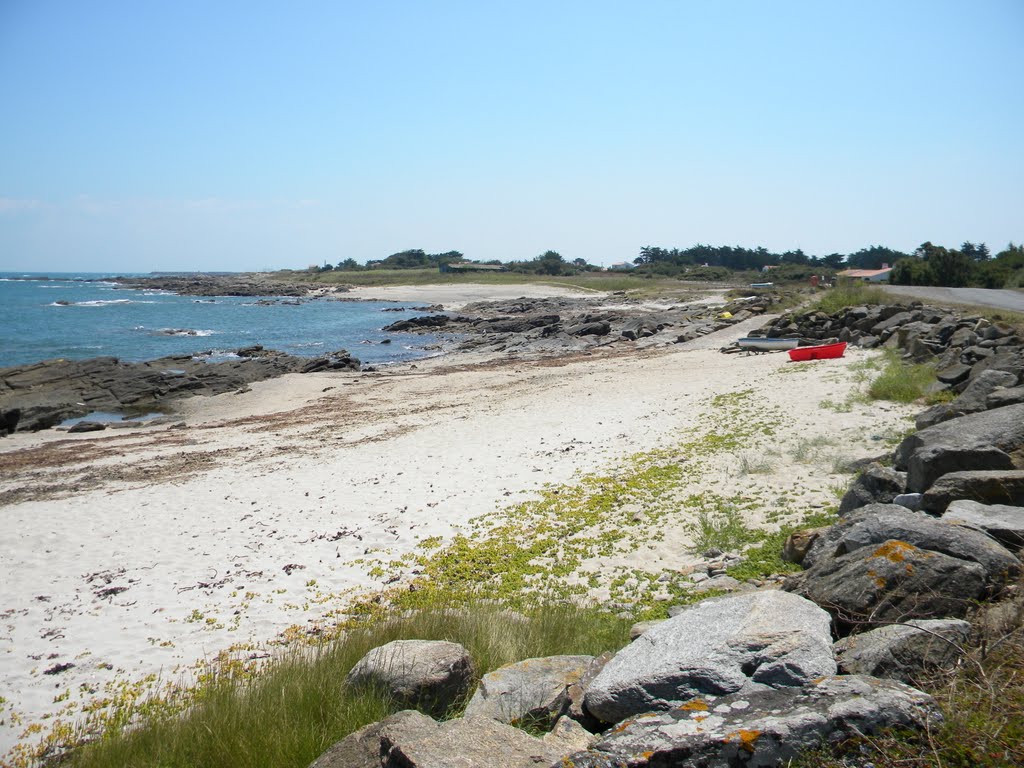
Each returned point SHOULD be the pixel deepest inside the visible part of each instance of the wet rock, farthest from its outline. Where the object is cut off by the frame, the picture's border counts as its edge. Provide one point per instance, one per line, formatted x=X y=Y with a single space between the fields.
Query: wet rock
x=86 y=426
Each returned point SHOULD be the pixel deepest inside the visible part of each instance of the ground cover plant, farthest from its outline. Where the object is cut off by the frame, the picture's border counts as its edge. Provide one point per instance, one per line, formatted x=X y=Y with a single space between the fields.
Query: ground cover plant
x=292 y=711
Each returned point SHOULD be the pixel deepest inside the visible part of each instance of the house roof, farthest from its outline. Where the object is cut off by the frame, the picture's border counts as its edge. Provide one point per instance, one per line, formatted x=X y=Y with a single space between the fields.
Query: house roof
x=865 y=272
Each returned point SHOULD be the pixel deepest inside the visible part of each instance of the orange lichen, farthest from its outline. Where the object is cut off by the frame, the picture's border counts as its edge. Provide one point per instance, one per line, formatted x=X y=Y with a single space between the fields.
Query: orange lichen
x=695 y=706
x=747 y=739
x=895 y=551
x=879 y=581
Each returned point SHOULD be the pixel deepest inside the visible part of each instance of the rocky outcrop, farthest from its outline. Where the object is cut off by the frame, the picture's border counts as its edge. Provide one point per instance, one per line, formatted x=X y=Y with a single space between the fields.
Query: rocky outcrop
x=549 y=326
x=719 y=646
x=764 y=728
x=41 y=395
x=990 y=440
x=429 y=674
x=886 y=563
x=903 y=651
x=252 y=284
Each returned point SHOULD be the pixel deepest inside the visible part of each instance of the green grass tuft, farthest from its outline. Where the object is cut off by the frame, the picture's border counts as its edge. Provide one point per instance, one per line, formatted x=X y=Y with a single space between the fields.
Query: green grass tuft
x=901 y=382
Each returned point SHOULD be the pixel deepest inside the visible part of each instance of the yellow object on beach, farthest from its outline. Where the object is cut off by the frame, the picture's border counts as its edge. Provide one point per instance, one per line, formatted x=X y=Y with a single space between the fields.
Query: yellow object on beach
x=725 y=315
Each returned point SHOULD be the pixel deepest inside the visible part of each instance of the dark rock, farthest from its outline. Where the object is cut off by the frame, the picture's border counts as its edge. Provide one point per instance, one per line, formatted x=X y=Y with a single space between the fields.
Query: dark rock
x=1002 y=522
x=875 y=485
x=891 y=323
x=417 y=323
x=953 y=374
x=886 y=563
x=599 y=328
x=743 y=642
x=979 y=441
x=973 y=398
x=986 y=487
x=766 y=728
x=430 y=674
x=1009 y=359
x=903 y=651
x=87 y=426
x=1000 y=398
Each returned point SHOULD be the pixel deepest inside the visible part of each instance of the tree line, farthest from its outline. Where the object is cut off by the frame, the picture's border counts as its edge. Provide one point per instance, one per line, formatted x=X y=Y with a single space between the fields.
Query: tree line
x=972 y=264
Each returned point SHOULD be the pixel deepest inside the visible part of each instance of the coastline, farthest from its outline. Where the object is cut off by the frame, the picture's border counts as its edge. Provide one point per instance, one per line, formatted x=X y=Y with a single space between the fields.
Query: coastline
x=261 y=518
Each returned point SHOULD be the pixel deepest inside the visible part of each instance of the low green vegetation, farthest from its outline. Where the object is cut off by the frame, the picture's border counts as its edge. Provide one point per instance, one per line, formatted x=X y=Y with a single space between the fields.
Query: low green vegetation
x=900 y=381
x=849 y=294
x=296 y=708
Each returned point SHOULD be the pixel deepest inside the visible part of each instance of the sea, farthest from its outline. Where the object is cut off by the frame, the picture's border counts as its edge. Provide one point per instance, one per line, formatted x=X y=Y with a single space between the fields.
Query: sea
x=83 y=315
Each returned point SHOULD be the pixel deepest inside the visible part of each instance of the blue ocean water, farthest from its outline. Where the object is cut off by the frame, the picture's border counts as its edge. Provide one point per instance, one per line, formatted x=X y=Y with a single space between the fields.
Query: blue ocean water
x=78 y=316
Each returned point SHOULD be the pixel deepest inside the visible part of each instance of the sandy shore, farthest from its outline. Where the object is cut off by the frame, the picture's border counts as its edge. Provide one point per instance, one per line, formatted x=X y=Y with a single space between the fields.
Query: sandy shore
x=454 y=297
x=136 y=553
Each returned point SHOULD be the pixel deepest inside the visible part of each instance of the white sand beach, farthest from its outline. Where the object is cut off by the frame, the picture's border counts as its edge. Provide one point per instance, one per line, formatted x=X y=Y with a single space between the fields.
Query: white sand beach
x=132 y=554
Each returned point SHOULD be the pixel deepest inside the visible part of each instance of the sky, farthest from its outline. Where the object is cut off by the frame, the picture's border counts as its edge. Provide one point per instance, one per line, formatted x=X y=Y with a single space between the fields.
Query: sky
x=253 y=135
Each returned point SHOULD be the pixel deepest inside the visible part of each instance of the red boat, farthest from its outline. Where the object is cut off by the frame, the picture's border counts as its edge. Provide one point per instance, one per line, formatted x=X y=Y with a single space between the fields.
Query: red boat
x=824 y=352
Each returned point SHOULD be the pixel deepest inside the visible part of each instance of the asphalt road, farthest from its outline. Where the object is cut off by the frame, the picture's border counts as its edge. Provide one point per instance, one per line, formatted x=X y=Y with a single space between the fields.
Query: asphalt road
x=984 y=297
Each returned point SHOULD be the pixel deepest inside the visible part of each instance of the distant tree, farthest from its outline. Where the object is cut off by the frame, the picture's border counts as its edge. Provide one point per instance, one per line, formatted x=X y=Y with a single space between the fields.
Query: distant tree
x=550 y=263
x=874 y=257
x=348 y=265
x=947 y=267
x=834 y=260
x=911 y=271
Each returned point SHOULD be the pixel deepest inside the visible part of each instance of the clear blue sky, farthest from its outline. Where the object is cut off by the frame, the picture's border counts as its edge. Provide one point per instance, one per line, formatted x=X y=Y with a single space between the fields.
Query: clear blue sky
x=250 y=135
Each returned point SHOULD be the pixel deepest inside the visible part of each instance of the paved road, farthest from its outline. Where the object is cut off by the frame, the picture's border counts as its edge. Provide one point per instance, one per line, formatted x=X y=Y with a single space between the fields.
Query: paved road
x=985 y=297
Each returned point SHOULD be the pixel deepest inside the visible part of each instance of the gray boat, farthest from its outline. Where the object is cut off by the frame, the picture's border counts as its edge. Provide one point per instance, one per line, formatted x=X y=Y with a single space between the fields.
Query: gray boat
x=760 y=344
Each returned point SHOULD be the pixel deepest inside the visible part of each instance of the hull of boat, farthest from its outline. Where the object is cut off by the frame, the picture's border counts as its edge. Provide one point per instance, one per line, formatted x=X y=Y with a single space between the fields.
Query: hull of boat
x=767 y=345
x=823 y=352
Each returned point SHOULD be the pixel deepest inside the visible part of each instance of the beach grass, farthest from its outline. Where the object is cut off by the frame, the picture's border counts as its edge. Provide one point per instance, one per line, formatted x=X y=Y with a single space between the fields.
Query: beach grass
x=900 y=381
x=849 y=294
x=298 y=706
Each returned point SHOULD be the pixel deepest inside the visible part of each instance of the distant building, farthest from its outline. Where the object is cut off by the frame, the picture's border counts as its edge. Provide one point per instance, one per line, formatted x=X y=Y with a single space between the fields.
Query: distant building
x=469 y=266
x=621 y=265
x=867 y=275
